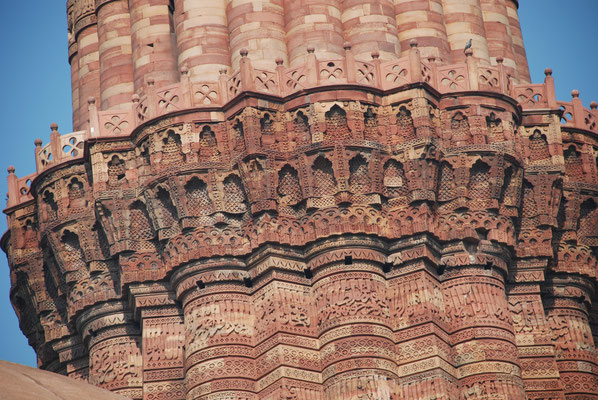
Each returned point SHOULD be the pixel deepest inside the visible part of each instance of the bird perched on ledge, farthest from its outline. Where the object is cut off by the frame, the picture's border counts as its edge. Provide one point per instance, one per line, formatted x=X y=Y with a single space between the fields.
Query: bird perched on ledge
x=467 y=46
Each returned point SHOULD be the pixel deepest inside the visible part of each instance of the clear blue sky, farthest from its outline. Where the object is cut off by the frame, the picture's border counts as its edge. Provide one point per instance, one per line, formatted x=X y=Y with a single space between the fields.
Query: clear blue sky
x=35 y=77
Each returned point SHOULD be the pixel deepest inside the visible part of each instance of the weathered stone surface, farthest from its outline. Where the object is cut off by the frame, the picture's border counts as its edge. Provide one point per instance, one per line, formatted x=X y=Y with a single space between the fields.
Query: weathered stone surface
x=312 y=199
x=18 y=382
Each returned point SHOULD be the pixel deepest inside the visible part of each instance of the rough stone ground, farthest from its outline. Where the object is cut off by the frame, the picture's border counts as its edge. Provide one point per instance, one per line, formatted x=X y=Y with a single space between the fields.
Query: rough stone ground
x=18 y=382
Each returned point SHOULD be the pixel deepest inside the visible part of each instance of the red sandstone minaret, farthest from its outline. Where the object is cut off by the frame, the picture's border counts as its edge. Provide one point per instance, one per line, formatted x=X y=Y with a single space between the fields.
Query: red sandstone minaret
x=314 y=199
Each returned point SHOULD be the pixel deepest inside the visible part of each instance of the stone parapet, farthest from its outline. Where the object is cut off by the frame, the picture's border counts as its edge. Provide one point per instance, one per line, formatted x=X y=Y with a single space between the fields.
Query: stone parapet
x=372 y=76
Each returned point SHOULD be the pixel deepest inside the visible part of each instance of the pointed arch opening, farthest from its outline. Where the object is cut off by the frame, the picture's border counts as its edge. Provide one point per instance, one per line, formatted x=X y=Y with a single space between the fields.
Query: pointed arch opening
x=538 y=146
x=324 y=182
x=198 y=198
x=359 y=179
x=406 y=129
x=336 y=123
x=234 y=194
x=395 y=182
x=289 y=189
x=139 y=222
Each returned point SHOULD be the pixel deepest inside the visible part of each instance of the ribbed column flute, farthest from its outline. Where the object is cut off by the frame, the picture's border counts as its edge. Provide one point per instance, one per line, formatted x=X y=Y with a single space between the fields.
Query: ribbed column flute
x=424 y=357
x=370 y=25
x=486 y=355
x=314 y=23
x=162 y=340
x=593 y=318
x=422 y=20
x=73 y=61
x=219 y=329
x=258 y=26
x=532 y=334
x=463 y=20
x=116 y=55
x=86 y=34
x=566 y=305
x=72 y=353
x=353 y=314
x=114 y=349
x=152 y=37
x=517 y=40
x=202 y=38
x=498 y=33
x=285 y=324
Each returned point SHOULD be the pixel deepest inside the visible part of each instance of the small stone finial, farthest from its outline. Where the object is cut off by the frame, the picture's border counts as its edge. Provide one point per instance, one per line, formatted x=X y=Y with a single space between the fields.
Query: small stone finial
x=499 y=60
x=184 y=70
x=54 y=127
x=575 y=94
x=91 y=100
x=548 y=72
x=150 y=81
x=11 y=169
x=279 y=61
x=244 y=52
x=347 y=46
x=594 y=105
x=375 y=54
x=413 y=43
x=469 y=52
x=38 y=142
x=135 y=98
x=311 y=49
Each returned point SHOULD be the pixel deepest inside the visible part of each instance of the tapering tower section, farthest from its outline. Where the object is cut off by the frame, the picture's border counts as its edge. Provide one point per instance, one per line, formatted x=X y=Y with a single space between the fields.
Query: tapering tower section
x=310 y=200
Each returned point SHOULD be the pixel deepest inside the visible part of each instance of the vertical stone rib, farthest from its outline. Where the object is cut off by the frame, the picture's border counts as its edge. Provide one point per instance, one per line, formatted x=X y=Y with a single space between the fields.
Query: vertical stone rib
x=498 y=33
x=89 y=71
x=424 y=354
x=486 y=355
x=517 y=40
x=258 y=26
x=285 y=325
x=115 y=54
x=152 y=33
x=73 y=354
x=534 y=344
x=73 y=61
x=463 y=21
x=219 y=329
x=116 y=57
x=314 y=23
x=370 y=25
x=162 y=340
x=422 y=20
x=202 y=38
x=86 y=35
x=353 y=314
x=114 y=349
x=567 y=314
